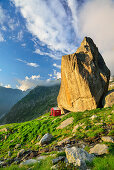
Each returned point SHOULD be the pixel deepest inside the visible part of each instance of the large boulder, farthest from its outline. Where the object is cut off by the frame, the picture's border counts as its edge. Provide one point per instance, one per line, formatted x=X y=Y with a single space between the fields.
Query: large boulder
x=84 y=79
x=78 y=156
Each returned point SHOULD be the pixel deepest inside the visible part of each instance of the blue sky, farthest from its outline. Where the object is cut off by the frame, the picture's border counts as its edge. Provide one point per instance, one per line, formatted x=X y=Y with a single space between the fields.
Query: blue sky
x=34 y=34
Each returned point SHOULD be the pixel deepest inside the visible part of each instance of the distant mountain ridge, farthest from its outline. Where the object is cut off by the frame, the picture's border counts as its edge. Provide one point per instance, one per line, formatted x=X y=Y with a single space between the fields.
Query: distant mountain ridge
x=8 y=97
x=37 y=102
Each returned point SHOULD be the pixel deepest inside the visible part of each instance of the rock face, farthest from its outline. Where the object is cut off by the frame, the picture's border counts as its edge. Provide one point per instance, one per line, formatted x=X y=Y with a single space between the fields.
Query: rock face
x=65 y=123
x=84 y=79
x=78 y=156
x=108 y=100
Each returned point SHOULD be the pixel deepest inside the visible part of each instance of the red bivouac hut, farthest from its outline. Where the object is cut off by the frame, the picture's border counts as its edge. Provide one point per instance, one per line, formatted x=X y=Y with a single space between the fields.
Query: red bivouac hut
x=55 y=111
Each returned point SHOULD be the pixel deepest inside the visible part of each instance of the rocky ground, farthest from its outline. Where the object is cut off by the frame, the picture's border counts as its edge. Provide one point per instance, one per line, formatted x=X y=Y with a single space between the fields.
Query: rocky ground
x=72 y=141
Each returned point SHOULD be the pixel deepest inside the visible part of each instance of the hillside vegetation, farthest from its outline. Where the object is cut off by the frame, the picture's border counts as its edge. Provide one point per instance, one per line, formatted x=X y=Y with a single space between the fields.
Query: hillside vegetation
x=92 y=125
x=36 y=103
x=9 y=97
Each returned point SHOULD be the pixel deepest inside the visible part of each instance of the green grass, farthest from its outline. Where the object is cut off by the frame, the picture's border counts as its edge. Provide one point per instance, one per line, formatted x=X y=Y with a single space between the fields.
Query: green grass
x=29 y=133
x=102 y=163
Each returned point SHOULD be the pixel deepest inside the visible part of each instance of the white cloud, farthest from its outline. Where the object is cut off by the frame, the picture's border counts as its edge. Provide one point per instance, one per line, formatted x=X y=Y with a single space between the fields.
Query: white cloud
x=73 y=7
x=50 y=75
x=0 y=69
x=20 y=35
x=52 y=27
x=1 y=38
x=57 y=66
x=3 y=28
x=7 y=86
x=32 y=64
x=57 y=75
x=33 y=81
x=61 y=25
x=23 y=45
x=28 y=82
x=97 y=21
x=2 y=16
x=12 y=23
x=53 y=54
x=27 y=63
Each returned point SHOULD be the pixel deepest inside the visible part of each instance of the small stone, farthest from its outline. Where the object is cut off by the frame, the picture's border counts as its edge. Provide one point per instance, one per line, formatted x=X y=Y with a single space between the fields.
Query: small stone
x=54 y=167
x=46 y=139
x=32 y=141
x=58 y=159
x=97 y=124
x=17 y=146
x=63 y=141
x=68 y=146
x=6 y=136
x=20 y=153
x=75 y=128
x=93 y=117
x=99 y=149
x=9 y=153
x=107 y=139
x=11 y=141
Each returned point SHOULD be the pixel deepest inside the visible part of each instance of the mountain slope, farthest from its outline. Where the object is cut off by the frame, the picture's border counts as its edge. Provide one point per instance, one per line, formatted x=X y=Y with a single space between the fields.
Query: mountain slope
x=85 y=131
x=8 y=97
x=37 y=102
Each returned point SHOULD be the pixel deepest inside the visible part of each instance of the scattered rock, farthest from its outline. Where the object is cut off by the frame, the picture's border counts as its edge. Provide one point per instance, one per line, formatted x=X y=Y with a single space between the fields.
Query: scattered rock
x=75 y=128
x=20 y=153
x=107 y=139
x=6 y=136
x=93 y=117
x=78 y=156
x=66 y=123
x=11 y=141
x=28 y=162
x=68 y=146
x=58 y=159
x=84 y=79
x=33 y=154
x=41 y=157
x=46 y=139
x=64 y=141
x=2 y=164
x=99 y=149
x=108 y=100
x=98 y=124
x=9 y=153
x=17 y=146
x=54 y=167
